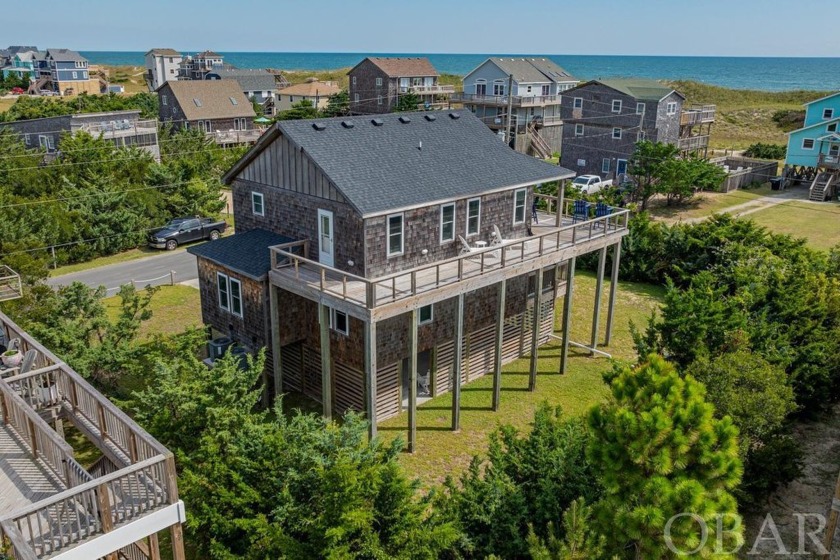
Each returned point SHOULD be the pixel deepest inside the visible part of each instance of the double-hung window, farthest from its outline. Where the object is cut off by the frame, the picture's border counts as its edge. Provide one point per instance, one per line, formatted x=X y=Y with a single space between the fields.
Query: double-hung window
x=577 y=103
x=519 y=196
x=808 y=144
x=447 y=223
x=425 y=315
x=616 y=106
x=828 y=113
x=640 y=108
x=395 y=234
x=616 y=133
x=473 y=216
x=339 y=322
x=605 y=165
x=230 y=294
x=672 y=108
x=578 y=129
x=257 y=204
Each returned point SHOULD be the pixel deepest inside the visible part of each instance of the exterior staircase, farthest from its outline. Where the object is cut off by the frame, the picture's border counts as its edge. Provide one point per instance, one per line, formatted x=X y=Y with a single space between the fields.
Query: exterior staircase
x=821 y=187
x=538 y=144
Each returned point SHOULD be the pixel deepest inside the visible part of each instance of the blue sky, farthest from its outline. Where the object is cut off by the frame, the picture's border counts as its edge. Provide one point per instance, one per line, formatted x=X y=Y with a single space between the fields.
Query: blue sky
x=645 y=27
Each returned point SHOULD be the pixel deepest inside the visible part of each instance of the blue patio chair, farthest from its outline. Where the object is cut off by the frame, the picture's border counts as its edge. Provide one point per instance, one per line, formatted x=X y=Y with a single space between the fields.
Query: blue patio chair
x=601 y=210
x=581 y=211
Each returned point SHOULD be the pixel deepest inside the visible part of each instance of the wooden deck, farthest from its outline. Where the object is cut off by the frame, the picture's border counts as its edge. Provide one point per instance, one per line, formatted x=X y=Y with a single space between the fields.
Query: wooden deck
x=387 y=296
x=23 y=480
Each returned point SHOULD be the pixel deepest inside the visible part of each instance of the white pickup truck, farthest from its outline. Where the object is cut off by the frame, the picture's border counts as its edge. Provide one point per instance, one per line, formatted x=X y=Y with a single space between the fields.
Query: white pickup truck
x=590 y=184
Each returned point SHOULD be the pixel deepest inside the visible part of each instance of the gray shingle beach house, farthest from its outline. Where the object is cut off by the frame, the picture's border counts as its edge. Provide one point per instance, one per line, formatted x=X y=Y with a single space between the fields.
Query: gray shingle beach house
x=385 y=259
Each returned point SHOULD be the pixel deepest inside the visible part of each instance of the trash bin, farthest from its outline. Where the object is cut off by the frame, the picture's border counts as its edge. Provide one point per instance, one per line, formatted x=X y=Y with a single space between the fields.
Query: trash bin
x=776 y=183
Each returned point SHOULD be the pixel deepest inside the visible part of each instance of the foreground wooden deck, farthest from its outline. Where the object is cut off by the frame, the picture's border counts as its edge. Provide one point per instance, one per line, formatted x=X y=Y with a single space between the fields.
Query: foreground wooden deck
x=23 y=480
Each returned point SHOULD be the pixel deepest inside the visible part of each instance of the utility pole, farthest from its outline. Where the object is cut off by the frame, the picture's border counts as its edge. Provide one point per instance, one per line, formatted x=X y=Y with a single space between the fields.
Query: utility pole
x=510 y=109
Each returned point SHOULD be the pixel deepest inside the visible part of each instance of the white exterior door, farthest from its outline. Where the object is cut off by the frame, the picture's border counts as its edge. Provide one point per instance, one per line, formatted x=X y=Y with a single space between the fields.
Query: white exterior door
x=326 y=242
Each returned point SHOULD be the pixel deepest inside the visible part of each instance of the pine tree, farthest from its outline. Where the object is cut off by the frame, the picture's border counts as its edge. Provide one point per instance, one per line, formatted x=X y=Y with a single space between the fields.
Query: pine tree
x=661 y=453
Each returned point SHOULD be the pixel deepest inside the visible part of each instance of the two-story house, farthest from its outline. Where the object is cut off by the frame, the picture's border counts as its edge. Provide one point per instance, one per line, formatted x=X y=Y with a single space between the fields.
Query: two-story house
x=196 y=67
x=532 y=88
x=386 y=258
x=814 y=149
x=377 y=83
x=23 y=66
x=216 y=107
x=603 y=120
x=257 y=85
x=122 y=128
x=69 y=72
x=162 y=66
x=317 y=93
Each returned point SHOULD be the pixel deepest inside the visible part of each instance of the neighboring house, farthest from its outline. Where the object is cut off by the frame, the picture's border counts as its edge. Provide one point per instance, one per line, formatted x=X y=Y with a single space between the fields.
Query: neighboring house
x=162 y=65
x=813 y=151
x=69 y=72
x=258 y=85
x=196 y=67
x=376 y=84
x=536 y=124
x=603 y=120
x=123 y=128
x=217 y=107
x=315 y=92
x=23 y=65
x=6 y=55
x=379 y=229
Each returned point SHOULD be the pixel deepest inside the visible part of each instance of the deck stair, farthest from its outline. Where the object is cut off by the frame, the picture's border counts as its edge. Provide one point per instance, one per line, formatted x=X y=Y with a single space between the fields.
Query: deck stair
x=820 y=188
x=538 y=144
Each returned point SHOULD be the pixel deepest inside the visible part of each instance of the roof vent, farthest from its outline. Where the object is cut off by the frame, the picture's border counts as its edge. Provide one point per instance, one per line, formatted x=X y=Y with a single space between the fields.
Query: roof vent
x=454 y=115
x=429 y=118
x=405 y=120
x=377 y=122
x=348 y=124
x=319 y=126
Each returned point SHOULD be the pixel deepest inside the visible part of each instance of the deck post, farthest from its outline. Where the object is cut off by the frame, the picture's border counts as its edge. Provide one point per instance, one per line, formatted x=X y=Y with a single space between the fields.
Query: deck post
x=154 y=547
x=412 y=381
x=535 y=332
x=276 y=362
x=456 y=367
x=567 y=313
x=370 y=374
x=599 y=288
x=561 y=192
x=326 y=381
x=500 y=333
x=613 y=288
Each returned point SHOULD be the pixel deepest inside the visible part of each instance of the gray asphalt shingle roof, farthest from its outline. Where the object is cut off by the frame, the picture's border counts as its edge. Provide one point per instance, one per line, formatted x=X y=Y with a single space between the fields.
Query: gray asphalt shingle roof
x=381 y=168
x=65 y=55
x=246 y=253
x=249 y=79
x=538 y=70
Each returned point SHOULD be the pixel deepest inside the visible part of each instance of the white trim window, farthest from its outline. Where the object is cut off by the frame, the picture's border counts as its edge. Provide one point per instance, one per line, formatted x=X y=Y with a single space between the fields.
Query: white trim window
x=163 y=100
x=577 y=103
x=807 y=143
x=258 y=204
x=355 y=96
x=828 y=113
x=339 y=322
x=578 y=129
x=616 y=133
x=640 y=108
x=616 y=106
x=447 y=223
x=230 y=294
x=481 y=86
x=378 y=82
x=499 y=87
x=473 y=216
x=395 y=233
x=425 y=314
x=671 y=108
x=354 y=80
x=379 y=100
x=831 y=128
x=605 y=165
x=519 y=196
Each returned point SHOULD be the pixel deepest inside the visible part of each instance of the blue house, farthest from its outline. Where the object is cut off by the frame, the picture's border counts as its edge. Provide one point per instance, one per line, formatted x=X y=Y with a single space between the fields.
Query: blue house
x=69 y=72
x=813 y=151
x=23 y=65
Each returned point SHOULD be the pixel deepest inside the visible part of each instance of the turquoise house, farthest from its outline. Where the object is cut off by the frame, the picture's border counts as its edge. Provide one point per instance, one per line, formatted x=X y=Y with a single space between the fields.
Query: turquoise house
x=23 y=66
x=817 y=143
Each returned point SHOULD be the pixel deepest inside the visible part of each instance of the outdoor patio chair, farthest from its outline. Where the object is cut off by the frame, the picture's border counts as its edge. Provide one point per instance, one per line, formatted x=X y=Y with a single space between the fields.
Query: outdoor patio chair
x=497 y=236
x=602 y=210
x=423 y=384
x=465 y=247
x=581 y=211
x=28 y=361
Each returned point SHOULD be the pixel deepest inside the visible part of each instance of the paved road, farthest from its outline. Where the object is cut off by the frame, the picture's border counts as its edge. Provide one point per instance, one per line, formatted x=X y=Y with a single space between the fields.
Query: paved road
x=148 y=268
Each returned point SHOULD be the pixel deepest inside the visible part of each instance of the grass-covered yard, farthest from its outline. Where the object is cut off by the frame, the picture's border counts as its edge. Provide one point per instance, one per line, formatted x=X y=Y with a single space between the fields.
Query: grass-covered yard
x=441 y=452
x=174 y=309
x=707 y=203
x=819 y=224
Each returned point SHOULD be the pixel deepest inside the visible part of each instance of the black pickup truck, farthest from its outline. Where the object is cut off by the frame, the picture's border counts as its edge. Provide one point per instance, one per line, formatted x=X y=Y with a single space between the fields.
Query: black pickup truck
x=184 y=230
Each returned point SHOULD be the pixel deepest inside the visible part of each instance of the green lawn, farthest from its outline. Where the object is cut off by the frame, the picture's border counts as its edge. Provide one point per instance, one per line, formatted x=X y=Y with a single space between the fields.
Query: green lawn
x=819 y=224
x=706 y=204
x=441 y=452
x=174 y=309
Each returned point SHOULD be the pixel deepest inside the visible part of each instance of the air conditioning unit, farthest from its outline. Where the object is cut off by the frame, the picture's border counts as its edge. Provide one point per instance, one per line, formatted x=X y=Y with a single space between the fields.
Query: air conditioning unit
x=217 y=347
x=242 y=353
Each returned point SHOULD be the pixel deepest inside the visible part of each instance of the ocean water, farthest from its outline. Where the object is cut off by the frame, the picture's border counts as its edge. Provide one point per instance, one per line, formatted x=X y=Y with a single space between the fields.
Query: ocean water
x=770 y=74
